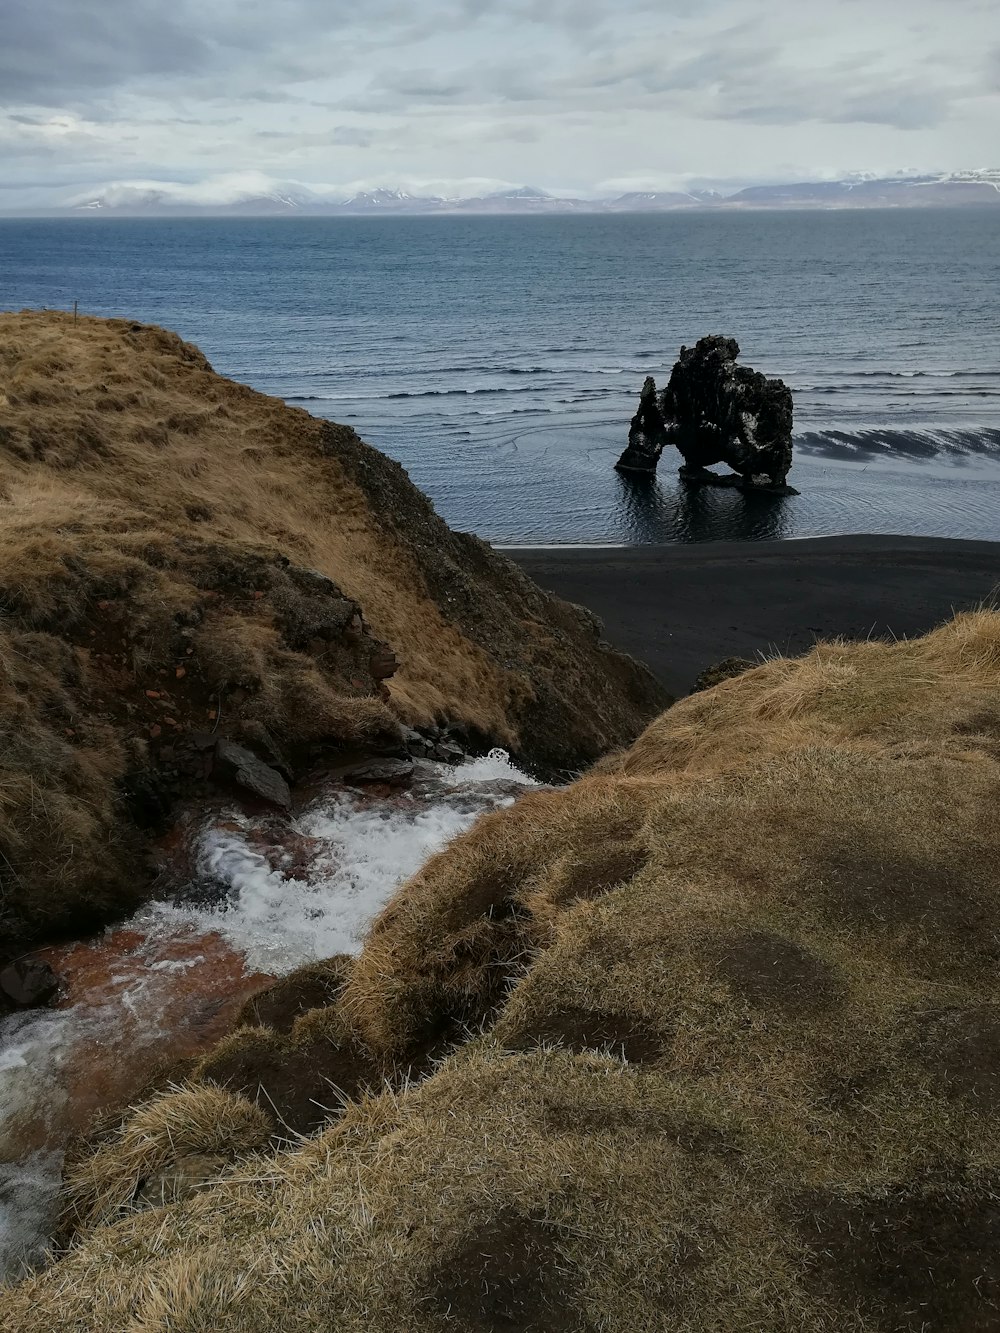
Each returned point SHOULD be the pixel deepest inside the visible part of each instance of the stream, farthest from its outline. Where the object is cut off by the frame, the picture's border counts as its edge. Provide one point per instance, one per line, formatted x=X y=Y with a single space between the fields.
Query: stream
x=249 y=899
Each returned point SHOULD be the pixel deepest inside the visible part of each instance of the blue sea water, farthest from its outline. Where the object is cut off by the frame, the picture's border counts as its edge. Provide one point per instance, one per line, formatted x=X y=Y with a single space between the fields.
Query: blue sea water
x=499 y=359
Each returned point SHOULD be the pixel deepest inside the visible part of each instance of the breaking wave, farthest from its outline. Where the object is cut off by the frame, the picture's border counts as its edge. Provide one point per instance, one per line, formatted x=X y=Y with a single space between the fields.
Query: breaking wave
x=914 y=444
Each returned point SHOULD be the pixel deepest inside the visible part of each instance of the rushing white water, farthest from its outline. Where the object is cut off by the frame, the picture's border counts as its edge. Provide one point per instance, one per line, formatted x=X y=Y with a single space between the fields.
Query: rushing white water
x=32 y=1048
x=360 y=851
x=28 y=1194
x=275 y=905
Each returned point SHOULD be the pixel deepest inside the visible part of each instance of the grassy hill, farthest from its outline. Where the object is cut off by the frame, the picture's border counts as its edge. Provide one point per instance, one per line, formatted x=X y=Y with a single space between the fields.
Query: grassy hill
x=707 y=1041
x=180 y=555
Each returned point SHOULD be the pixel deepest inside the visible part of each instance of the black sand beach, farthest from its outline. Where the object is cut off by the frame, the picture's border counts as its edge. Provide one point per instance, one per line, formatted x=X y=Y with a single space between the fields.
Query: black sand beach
x=681 y=608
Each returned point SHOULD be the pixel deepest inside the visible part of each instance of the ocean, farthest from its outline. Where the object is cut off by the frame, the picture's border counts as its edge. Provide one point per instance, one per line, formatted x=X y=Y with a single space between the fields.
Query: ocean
x=500 y=359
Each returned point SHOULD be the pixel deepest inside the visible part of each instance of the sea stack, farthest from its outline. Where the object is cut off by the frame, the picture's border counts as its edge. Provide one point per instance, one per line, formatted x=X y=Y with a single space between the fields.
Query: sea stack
x=715 y=411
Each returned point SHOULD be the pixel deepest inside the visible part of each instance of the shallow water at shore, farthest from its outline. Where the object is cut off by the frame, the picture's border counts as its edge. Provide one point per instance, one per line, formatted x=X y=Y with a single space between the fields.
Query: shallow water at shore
x=166 y=985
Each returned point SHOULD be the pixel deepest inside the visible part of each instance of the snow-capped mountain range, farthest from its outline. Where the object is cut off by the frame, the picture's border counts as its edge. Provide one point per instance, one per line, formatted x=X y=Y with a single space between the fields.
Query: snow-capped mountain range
x=255 y=194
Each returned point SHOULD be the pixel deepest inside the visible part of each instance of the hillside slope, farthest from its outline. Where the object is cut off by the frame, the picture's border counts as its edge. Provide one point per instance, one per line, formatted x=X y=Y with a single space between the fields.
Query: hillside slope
x=713 y=1041
x=183 y=559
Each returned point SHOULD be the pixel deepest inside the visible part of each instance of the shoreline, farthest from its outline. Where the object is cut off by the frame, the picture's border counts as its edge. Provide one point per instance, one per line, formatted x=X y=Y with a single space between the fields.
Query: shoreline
x=683 y=607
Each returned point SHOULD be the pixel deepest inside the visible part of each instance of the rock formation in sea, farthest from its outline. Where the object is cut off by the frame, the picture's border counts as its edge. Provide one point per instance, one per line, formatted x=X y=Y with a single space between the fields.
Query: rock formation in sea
x=648 y=434
x=203 y=587
x=715 y=411
x=706 y=1040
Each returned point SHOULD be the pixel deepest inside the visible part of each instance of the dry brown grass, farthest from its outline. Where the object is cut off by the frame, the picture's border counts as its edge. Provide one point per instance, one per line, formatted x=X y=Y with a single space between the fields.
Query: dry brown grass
x=203 y=1123
x=938 y=691
x=728 y=1050
x=164 y=529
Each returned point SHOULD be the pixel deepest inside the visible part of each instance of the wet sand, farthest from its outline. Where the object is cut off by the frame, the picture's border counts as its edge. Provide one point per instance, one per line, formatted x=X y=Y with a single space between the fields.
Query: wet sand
x=681 y=608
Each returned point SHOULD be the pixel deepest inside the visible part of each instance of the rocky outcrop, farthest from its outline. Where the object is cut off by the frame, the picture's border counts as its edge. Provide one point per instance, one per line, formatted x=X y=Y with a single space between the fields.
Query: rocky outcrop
x=728 y=669
x=26 y=983
x=566 y=691
x=715 y=411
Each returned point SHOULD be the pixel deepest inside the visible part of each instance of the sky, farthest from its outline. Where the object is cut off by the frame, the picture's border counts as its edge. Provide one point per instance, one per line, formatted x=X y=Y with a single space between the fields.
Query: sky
x=464 y=96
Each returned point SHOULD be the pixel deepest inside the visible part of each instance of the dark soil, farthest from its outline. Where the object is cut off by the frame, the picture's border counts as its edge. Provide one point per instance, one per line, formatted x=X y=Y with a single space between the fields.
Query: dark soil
x=694 y=1137
x=962 y=1048
x=923 y=1259
x=890 y=890
x=767 y=970
x=601 y=873
x=580 y=1030
x=314 y=987
x=508 y=1277
x=302 y=1085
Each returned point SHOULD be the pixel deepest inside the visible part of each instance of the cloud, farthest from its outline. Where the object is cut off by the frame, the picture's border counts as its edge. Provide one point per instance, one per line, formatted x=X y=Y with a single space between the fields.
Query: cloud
x=730 y=73
x=215 y=191
x=139 y=89
x=239 y=187
x=734 y=75
x=53 y=49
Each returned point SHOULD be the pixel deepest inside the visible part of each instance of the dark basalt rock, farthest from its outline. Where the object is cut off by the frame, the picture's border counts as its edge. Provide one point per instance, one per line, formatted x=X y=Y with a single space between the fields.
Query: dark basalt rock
x=447 y=752
x=241 y=766
x=727 y=669
x=715 y=411
x=394 y=772
x=647 y=435
x=27 y=983
x=703 y=476
x=417 y=745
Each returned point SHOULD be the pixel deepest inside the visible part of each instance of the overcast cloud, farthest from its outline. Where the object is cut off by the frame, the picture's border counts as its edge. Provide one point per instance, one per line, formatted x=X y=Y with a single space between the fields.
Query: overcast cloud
x=564 y=94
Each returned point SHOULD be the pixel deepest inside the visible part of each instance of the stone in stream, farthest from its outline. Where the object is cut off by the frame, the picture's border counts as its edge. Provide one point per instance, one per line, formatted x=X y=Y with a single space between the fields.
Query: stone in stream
x=715 y=411
x=242 y=767
x=28 y=983
x=447 y=752
x=393 y=772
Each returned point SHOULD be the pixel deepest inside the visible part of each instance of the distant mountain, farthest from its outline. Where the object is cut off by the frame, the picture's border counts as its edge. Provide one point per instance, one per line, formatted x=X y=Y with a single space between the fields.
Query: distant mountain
x=525 y=199
x=524 y=193
x=946 y=190
x=380 y=201
x=658 y=201
x=232 y=196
